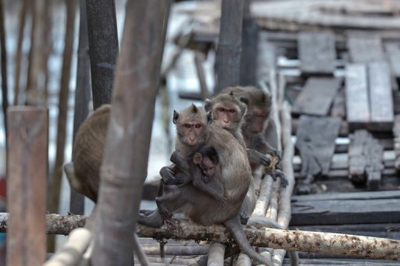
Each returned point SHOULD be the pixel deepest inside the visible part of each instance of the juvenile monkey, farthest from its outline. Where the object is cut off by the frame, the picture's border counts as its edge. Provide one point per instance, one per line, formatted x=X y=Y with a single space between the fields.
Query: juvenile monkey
x=233 y=171
x=199 y=169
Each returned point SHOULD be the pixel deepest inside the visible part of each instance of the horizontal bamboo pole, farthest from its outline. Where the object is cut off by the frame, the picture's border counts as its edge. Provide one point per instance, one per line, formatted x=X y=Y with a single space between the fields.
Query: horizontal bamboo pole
x=306 y=241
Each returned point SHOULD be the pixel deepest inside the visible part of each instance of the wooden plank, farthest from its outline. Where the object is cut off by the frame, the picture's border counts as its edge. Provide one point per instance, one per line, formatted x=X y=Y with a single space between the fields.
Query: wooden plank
x=396 y=141
x=393 y=55
x=393 y=194
x=316 y=96
x=26 y=191
x=345 y=212
x=365 y=159
x=380 y=95
x=338 y=261
x=365 y=48
x=357 y=96
x=316 y=151
x=317 y=53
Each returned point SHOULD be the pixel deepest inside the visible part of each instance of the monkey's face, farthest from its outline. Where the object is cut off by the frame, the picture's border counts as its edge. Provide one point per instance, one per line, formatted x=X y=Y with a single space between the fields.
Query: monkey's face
x=207 y=166
x=255 y=120
x=192 y=132
x=228 y=116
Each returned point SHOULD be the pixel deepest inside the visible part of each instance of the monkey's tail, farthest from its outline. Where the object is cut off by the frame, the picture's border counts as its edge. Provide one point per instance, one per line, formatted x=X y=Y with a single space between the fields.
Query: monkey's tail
x=139 y=252
x=237 y=230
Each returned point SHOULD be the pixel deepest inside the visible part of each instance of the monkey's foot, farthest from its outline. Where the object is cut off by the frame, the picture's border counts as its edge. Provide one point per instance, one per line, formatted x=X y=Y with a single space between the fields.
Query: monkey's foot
x=221 y=200
x=264 y=160
x=168 y=177
x=244 y=217
x=170 y=223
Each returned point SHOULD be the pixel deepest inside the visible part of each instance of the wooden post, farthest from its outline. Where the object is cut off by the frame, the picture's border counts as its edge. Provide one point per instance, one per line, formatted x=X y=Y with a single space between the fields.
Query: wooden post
x=124 y=164
x=248 y=62
x=27 y=174
x=82 y=95
x=229 y=45
x=103 y=48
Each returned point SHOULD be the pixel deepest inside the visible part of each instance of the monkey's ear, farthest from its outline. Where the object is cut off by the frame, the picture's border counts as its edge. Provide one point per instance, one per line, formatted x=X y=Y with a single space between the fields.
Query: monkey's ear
x=244 y=100
x=194 y=108
x=175 y=117
x=207 y=104
x=209 y=117
x=197 y=158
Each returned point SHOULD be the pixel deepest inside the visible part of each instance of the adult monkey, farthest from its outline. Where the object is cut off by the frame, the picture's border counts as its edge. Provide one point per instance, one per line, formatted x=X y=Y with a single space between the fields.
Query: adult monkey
x=83 y=173
x=233 y=171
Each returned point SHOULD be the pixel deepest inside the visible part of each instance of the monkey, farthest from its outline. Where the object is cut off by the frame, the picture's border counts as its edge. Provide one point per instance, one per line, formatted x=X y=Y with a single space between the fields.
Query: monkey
x=233 y=171
x=83 y=173
x=198 y=168
x=257 y=127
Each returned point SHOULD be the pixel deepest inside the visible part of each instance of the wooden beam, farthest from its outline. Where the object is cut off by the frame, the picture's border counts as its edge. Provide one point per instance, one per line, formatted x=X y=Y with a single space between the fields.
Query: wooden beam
x=393 y=55
x=26 y=191
x=365 y=48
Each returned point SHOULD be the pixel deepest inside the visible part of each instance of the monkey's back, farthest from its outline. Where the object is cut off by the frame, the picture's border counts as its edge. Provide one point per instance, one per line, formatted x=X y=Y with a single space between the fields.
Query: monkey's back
x=88 y=151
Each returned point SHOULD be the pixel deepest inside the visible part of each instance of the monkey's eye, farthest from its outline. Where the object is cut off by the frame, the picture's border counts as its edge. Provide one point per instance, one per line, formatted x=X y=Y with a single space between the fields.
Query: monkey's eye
x=232 y=111
x=187 y=126
x=197 y=126
x=222 y=109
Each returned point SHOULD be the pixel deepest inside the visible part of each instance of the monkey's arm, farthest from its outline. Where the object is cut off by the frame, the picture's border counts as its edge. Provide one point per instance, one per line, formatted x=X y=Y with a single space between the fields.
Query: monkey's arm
x=169 y=175
x=197 y=176
x=180 y=162
x=257 y=157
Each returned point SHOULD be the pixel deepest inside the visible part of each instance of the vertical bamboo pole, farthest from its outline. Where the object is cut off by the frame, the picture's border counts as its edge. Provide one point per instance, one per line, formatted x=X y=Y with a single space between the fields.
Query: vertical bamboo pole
x=27 y=175
x=54 y=198
x=18 y=57
x=82 y=95
x=4 y=84
x=125 y=158
x=103 y=48
x=229 y=45
x=248 y=62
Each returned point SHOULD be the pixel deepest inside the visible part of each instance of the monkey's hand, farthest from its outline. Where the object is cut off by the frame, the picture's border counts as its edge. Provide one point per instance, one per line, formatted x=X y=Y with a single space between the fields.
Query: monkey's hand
x=168 y=176
x=276 y=154
x=206 y=179
x=279 y=174
x=220 y=199
x=258 y=158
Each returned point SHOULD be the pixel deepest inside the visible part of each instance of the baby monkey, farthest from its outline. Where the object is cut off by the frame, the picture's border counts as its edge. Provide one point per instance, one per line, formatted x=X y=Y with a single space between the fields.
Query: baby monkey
x=198 y=168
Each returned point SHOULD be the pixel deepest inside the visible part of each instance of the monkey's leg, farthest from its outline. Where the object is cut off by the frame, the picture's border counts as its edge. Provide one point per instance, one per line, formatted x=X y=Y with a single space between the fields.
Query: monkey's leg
x=170 y=194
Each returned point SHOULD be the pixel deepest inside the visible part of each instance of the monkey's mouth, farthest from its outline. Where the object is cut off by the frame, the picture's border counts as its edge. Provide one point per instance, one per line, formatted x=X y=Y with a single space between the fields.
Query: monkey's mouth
x=191 y=142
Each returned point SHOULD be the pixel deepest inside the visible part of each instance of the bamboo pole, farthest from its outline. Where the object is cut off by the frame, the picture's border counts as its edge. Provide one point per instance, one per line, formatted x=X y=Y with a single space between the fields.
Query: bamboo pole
x=4 y=78
x=72 y=251
x=82 y=95
x=47 y=48
x=216 y=254
x=54 y=198
x=18 y=56
x=103 y=48
x=229 y=45
x=124 y=164
x=306 y=241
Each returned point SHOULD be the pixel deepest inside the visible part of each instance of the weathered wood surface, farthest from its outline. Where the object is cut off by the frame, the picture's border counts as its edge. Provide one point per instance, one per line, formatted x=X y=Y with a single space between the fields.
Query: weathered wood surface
x=103 y=48
x=396 y=141
x=370 y=195
x=393 y=55
x=365 y=48
x=229 y=45
x=316 y=150
x=339 y=261
x=339 y=104
x=357 y=96
x=337 y=211
x=316 y=96
x=27 y=184
x=317 y=53
x=365 y=159
x=380 y=95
